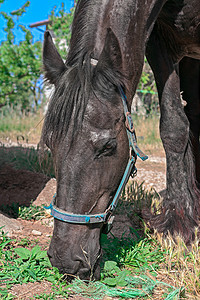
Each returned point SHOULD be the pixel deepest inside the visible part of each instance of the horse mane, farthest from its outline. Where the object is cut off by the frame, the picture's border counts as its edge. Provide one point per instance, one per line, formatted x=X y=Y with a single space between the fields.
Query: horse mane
x=81 y=78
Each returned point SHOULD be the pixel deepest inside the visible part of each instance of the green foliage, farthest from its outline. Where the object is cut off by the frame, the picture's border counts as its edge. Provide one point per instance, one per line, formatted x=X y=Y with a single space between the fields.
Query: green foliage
x=147 y=91
x=141 y=255
x=4 y=241
x=61 y=26
x=31 y=212
x=4 y=294
x=29 y=266
x=112 y=275
x=134 y=286
x=21 y=265
x=21 y=10
x=125 y=285
x=147 y=82
x=20 y=71
x=141 y=258
x=20 y=65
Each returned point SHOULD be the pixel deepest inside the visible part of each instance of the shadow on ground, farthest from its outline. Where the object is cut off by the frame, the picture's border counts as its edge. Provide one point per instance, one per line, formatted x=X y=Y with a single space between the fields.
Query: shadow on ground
x=19 y=186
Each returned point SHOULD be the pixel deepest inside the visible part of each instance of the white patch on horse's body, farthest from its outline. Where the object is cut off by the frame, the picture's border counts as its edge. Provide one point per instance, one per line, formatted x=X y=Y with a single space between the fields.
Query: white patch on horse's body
x=103 y=134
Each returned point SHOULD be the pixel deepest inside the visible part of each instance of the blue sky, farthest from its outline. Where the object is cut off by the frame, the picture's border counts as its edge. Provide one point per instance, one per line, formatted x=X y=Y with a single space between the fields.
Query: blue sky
x=38 y=10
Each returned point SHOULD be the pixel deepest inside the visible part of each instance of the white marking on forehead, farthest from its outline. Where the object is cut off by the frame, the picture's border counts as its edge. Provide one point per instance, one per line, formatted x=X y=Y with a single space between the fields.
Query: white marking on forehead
x=94 y=62
x=103 y=134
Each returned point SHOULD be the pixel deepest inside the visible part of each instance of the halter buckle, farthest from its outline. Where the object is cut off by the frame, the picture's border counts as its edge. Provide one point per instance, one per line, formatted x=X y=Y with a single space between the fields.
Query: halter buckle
x=108 y=225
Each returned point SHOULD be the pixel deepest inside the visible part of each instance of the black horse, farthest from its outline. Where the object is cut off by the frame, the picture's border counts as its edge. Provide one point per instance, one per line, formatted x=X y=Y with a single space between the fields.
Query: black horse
x=85 y=124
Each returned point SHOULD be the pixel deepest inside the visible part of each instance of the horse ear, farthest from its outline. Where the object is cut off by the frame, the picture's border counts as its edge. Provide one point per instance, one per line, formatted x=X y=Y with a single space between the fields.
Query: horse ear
x=111 y=54
x=52 y=61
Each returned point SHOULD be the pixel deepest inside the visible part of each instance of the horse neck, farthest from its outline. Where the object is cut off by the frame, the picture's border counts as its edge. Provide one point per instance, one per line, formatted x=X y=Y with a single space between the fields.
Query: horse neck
x=130 y=20
x=87 y=20
x=133 y=26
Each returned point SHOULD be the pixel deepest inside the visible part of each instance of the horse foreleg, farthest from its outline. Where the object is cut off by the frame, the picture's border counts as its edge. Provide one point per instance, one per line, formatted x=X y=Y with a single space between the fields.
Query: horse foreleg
x=189 y=72
x=180 y=209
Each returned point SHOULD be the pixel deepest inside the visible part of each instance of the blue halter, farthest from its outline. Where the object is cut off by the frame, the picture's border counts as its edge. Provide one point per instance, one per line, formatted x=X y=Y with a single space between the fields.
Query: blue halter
x=106 y=217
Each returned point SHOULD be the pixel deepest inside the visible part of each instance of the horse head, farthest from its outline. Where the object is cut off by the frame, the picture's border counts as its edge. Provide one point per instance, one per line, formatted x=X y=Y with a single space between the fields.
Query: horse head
x=86 y=133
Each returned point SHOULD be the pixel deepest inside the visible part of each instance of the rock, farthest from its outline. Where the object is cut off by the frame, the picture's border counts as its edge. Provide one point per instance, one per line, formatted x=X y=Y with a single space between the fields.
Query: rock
x=37 y=233
x=8 y=225
x=47 y=193
x=47 y=221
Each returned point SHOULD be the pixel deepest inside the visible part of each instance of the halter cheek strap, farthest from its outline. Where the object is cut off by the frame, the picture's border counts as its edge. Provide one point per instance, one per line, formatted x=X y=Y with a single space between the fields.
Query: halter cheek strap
x=106 y=218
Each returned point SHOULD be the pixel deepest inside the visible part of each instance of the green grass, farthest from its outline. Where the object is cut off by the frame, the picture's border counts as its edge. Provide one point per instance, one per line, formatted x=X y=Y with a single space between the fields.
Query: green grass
x=130 y=270
x=32 y=212
x=29 y=213
x=20 y=265
x=147 y=268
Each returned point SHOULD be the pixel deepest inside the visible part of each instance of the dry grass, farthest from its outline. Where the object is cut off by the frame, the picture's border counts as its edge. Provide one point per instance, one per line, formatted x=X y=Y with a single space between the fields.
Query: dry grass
x=181 y=267
x=21 y=128
x=147 y=130
x=182 y=264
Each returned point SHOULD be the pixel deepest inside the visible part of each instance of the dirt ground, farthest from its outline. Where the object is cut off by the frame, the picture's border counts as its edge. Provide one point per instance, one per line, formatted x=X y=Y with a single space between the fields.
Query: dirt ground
x=23 y=187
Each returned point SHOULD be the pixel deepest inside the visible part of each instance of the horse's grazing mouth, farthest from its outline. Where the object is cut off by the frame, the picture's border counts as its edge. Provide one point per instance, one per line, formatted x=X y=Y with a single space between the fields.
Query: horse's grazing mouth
x=74 y=259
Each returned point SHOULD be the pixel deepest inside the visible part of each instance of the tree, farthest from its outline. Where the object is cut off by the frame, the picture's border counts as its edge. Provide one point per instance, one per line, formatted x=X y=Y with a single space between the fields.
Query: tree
x=20 y=65
x=61 y=22
x=147 y=91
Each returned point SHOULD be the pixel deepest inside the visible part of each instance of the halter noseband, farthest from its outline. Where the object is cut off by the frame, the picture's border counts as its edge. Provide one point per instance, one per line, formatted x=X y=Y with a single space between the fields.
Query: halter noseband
x=106 y=218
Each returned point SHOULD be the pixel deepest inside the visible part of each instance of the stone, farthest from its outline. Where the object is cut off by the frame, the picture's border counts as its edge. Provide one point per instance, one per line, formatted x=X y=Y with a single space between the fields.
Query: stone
x=46 y=194
x=8 y=224
x=37 y=233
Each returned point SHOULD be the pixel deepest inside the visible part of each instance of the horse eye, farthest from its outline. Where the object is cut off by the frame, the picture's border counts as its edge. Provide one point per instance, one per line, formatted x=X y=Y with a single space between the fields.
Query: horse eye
x=107 y=149
x=108 y=146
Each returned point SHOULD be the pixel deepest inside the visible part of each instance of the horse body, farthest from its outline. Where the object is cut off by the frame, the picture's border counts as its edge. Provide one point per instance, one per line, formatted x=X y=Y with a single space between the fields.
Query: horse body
x=84 y=126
